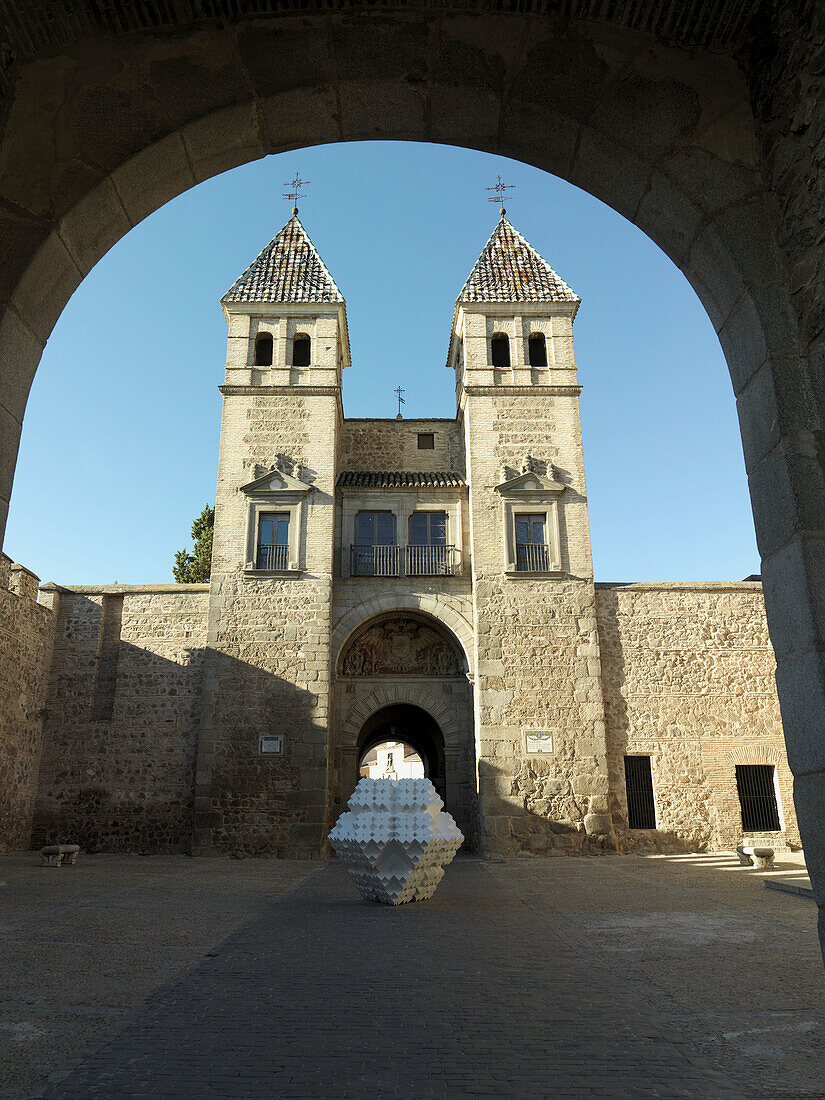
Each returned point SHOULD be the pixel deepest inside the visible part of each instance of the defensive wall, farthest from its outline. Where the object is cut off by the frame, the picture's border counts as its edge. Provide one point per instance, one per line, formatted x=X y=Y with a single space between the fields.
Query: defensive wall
x=687 y=673
x=120 y=736
x=26 y=629
x=688 y=679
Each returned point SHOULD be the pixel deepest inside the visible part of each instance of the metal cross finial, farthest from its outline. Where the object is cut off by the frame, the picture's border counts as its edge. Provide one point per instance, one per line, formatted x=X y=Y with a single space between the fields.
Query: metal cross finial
x=499 y=189
x=398 y=393
x=294 y=192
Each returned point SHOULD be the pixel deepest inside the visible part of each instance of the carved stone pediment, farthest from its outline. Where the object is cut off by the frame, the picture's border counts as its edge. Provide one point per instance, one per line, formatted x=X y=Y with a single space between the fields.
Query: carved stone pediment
x=530 y=482
x=275 y=481
x=401 y=647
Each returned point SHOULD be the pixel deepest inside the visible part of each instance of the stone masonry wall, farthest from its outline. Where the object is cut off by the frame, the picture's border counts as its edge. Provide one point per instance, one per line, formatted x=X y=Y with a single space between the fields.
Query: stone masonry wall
x=268 y=667
x=25 y=647
x=393 y=445
x=537 y=664
x=688 y=679
x=118 y=762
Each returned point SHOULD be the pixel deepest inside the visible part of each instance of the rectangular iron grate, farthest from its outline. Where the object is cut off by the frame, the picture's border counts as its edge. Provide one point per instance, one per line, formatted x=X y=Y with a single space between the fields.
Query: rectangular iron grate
x=641 y=807
x=757 y=798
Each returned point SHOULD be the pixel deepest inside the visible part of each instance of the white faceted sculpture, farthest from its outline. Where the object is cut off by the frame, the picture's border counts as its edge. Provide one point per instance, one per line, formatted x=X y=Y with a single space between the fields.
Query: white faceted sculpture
x=394 y=839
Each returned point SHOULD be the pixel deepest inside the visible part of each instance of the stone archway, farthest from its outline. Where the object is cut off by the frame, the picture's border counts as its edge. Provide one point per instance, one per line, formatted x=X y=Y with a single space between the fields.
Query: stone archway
x=437 y=694
x=687 y=125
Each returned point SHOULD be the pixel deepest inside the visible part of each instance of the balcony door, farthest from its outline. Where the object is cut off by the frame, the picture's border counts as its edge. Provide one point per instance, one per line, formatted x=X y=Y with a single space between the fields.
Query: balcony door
x=427 y=546
x=273 y=541
x=531 y=543
x=375 y=553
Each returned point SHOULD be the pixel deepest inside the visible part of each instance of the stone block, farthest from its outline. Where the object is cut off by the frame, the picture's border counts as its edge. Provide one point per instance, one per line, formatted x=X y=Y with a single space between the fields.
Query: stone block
x=94 y=225
x=794 y=586
x=800 y=681
x=787 y=492
x=46 y=286
x=157 y=174
x=596 y=824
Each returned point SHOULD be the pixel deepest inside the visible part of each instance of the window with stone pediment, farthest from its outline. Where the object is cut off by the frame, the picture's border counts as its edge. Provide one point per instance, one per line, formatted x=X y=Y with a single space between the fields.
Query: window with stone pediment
x=273 y=541
x=531 y=542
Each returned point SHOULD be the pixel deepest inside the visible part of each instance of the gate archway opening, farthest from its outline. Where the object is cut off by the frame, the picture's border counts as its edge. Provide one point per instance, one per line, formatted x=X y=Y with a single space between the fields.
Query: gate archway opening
x=404 y=724
x=668 y=127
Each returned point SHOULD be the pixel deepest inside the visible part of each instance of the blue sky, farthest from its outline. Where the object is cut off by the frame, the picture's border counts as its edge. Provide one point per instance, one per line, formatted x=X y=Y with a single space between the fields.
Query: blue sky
x=123 y=418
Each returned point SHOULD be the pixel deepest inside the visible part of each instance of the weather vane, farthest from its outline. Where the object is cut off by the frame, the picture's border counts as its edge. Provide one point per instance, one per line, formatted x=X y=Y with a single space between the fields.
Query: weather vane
x=295 y=192
x=499 y=189
x=398 y=393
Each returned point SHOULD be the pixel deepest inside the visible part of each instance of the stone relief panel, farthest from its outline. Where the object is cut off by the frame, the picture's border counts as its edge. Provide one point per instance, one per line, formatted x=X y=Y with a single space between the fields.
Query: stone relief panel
x=401 y=647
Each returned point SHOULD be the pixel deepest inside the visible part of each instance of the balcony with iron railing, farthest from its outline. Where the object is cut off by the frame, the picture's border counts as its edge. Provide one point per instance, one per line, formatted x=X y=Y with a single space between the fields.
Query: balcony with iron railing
x=272 y=557
x=403 y=561
x=532 y=557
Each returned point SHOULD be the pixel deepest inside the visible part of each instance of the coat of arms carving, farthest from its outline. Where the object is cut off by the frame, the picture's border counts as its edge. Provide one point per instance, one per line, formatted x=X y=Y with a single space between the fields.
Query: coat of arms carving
x=401 y=647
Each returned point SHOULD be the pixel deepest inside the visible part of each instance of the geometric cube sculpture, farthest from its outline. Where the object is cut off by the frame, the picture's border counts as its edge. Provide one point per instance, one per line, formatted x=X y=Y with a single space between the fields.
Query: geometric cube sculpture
x=395 y=840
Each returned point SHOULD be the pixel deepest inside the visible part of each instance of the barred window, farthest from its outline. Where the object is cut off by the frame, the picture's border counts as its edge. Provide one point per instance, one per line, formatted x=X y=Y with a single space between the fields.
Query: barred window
x=641 y=806
x=757 y=798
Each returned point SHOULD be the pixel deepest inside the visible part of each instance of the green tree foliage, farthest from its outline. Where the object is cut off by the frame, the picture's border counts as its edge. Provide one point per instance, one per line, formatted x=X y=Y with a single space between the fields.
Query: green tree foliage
x=195 y=568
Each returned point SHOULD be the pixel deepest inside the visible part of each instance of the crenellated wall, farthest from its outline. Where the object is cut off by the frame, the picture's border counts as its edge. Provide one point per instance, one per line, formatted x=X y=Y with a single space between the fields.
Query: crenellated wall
x=26 y=629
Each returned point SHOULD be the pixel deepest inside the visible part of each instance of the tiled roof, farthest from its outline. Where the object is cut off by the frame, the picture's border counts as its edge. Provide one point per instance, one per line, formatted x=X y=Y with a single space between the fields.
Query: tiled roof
x=397 y=479
x=510 y=270
x=288 y=270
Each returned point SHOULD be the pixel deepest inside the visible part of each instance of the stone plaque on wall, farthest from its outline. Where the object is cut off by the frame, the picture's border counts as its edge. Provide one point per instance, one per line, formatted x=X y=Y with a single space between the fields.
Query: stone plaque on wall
x=271 y=746
x=538 y=741
x=401 y=647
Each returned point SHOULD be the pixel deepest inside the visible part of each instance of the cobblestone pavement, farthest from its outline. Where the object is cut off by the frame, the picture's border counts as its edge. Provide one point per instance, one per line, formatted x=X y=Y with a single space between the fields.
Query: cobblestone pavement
x=566 y=978
x=81 y=946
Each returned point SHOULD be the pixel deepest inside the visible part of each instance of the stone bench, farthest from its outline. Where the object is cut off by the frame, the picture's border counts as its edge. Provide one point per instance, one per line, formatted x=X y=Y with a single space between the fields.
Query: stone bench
x=56 y=854
x=754 y=856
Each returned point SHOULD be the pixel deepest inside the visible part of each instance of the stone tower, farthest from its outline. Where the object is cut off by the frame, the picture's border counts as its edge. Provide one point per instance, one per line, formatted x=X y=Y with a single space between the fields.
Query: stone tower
x=540 y=736
x=261 y=782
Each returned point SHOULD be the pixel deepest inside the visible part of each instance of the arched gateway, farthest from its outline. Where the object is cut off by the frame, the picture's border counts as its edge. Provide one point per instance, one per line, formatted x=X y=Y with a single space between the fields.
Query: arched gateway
x=403 y=677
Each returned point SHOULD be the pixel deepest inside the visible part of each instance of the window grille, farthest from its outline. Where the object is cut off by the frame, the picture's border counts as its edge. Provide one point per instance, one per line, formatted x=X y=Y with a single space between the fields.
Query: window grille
x=757 y=798
x=641 y=806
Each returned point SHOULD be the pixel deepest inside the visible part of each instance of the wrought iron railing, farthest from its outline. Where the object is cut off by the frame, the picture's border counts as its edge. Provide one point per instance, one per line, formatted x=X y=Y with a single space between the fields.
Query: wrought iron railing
x=430 y=561
x=532 y=557
x=407 y=561
x=375 y=561
x=272 y=557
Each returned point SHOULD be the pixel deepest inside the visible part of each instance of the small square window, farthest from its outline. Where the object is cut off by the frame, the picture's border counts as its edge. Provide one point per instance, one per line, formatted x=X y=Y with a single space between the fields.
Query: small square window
x=426 y=441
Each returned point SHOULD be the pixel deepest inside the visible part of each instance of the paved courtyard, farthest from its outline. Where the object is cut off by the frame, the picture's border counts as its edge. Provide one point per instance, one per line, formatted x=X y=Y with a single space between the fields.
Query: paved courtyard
x=627 y=976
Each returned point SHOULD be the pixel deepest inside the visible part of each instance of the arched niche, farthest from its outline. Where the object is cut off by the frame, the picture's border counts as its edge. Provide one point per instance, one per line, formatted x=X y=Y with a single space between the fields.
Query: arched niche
x=402 y=645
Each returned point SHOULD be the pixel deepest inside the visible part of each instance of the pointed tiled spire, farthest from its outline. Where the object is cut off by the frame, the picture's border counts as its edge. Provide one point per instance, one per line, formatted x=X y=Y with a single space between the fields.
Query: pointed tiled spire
x=288 y=270
x=510 y=270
